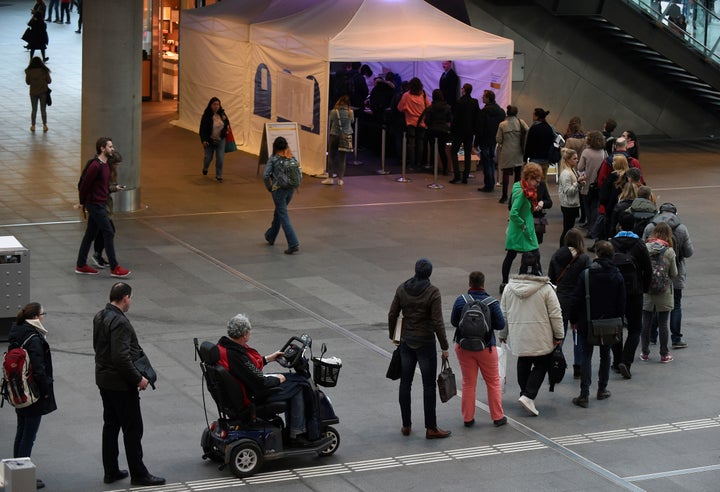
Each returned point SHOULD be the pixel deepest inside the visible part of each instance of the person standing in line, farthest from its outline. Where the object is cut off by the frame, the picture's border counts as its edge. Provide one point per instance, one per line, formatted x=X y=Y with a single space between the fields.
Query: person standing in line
x=281 y=197
x=53 y=4
x=510 y=138
x=534 y=326
x=485 y=360
x=437 y=117
x=633 y=149
x=79 y=10
x=28 y=332
x=569 y=190
x=491 y=115
x=341 y=123
x=99 y=245
x=449 y=83
x=607 y=300
x=94 y=191
x=38 y=36
x=591 y=159
x=37 y=76
x=539 y=139
x=413 y=103
x=421 y=306
x=65 y=10
x=214 y=126
x=521 y=236
x=116 y=348
x=462 y=130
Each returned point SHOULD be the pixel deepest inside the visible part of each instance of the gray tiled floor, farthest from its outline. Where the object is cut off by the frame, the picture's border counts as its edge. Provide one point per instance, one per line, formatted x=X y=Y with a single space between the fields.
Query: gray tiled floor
x=198 y=257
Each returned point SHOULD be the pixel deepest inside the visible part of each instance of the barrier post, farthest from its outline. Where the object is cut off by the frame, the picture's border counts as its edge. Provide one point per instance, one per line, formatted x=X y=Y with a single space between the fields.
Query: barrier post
x=382 y=153
x=402 y=178
x=435 y=185
x=355 y=161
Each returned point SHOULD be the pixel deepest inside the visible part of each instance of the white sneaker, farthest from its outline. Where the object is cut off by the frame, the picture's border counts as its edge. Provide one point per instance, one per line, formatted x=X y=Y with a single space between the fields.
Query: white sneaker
x=328 y=181
x=340 y=182
x=529 y=404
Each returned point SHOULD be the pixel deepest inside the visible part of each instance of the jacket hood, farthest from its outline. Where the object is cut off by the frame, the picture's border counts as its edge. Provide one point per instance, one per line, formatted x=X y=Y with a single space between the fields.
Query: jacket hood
x=656 y=247
x=524 y=286
x=416 y=286
x=643 y=205
x=669 y=218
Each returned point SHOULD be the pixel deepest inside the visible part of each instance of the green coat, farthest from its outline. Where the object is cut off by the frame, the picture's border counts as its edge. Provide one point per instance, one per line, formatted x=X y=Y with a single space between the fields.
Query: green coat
x=521 y=228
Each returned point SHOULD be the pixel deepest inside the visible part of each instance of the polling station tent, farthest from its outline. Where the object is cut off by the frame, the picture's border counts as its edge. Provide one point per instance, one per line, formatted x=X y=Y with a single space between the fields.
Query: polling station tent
x=269 y=60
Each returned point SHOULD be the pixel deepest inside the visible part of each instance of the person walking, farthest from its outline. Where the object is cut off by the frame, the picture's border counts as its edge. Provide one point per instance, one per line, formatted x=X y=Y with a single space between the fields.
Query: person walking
x=214 y=126
x=341 y=123
x=569 y=186
x=28 y=332
x=37 y=76
x=510 y=138
x=116 y=349
x=486 y=359
x=607 y=300
x=534 y=326
x=421 y=306
x=38 y=36
x=281 y=196
x=94 y=191
x=99 y=245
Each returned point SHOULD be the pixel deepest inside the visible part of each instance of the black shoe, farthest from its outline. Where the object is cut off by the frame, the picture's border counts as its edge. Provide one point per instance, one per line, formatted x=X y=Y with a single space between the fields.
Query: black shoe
x=615 y=368
x=39 y=484
x=269 y=241
x=147 y=480
x=500 y=422
x=464 y=181
x=292 y=250
x=46 y=58
x=205 y=172
x=581 y=401
x=603 y=394
x=114 y=477
x=503 y=200
x=455 y=181
x=625 y=371
x=470 y=423
x=79 y=31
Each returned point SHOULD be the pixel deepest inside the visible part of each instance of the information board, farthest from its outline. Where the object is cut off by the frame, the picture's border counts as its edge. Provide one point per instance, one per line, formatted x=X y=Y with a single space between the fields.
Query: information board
x=289 y=130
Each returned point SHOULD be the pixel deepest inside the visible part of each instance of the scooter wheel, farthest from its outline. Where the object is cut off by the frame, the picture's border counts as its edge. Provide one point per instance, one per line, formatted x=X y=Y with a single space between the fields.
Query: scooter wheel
x=334 y=445
x=246 y=459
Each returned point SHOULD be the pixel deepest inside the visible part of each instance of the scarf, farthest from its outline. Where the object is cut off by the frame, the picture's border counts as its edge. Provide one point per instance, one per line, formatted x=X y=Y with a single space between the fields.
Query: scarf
x=530 y=193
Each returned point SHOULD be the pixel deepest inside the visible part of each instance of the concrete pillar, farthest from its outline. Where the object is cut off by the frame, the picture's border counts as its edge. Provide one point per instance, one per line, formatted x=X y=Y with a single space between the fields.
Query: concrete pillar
x=111 y=88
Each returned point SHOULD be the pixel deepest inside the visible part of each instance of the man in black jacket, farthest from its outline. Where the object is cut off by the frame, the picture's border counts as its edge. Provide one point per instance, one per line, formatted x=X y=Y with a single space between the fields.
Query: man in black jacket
x=462 y=130
x=628 y=243
x=491 y=115
x=116 y=347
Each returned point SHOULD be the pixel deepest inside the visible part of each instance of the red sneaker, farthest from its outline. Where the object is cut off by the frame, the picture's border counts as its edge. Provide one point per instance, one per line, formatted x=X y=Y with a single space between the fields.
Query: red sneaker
x=85 y=270
x=119 y=272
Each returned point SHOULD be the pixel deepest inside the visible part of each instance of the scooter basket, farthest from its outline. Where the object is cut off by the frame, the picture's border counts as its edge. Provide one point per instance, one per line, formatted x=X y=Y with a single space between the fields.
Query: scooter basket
x=326 y=371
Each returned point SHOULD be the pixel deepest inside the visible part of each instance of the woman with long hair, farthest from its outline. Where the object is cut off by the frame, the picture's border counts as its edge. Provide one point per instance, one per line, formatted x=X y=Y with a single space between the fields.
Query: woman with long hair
x=569 y=190
x=591 y=159
x=29 y=333
x=37 y=76
x=539 y=139
x=214 y=126
x=413 y=103
x=341 y=121
x=510 y=138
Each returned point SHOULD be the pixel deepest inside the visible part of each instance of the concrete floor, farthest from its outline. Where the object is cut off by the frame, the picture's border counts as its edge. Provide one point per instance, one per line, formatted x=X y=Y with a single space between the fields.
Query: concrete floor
x=198 y=257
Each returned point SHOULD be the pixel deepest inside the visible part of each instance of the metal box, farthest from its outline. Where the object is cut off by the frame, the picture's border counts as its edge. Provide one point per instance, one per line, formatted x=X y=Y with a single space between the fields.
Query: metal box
x=14 y=281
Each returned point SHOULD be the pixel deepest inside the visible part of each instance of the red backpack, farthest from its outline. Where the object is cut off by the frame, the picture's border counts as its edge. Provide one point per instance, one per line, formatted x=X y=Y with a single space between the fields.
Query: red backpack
x=18 y=385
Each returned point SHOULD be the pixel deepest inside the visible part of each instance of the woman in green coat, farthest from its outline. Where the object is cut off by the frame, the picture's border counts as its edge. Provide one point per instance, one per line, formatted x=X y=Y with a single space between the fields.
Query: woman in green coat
x=521 y=235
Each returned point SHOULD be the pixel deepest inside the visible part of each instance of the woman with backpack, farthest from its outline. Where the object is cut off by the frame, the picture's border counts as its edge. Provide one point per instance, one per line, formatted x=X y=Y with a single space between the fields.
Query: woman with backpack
x=659 y=296
x=282 y=189
x=29 y=333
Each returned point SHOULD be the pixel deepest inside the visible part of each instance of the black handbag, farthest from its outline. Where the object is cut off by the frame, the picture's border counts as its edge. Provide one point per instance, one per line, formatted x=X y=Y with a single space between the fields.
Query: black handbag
x=48 y=99
x=447 y=387
x=556 y=372
x=142 y=364
x=606 y=331
x=395 y=367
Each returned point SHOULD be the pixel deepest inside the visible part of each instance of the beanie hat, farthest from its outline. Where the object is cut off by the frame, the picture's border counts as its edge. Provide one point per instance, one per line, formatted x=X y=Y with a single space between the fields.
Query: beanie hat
x=423 y=268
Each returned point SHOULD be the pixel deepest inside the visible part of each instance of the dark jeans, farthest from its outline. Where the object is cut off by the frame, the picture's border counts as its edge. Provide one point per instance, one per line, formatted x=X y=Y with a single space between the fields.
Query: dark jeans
x=569 y=215
x=281 y=198
x=466 y=143
x=506 y=173
x=426 y=357
x=531 y=374
x=98 y=221
x=99 y=244
x=577 y=346
x=586 y=370
x=663 y=318
x=415 y=141
x=508 y=261
x=487 y=159
x=121 y=410
x=625 y=352
x=27 y=429
x=442 y=140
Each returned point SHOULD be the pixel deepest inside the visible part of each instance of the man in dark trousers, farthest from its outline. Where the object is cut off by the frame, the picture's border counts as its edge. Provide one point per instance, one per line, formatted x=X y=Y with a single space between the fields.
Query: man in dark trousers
x=491 y=115
x=462 y=129
x=116 y=348
x=449 y=83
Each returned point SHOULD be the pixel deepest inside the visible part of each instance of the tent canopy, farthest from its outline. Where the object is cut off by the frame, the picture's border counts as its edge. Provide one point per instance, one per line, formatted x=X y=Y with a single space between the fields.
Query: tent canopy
x=238 y=50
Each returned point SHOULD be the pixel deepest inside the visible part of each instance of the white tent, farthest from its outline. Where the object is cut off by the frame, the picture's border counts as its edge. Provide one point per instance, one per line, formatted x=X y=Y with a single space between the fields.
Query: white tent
x=269 y=60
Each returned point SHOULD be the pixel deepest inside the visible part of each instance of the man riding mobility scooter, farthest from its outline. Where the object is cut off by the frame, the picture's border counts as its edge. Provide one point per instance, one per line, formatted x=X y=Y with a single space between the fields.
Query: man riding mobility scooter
x=249 y=429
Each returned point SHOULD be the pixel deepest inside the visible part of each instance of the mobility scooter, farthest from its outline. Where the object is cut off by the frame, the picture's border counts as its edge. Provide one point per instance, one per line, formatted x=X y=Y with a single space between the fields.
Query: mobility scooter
x=244 y=436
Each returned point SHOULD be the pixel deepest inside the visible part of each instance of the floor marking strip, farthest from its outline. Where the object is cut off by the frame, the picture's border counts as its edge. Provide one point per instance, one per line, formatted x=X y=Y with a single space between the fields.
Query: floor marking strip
x=672 y=473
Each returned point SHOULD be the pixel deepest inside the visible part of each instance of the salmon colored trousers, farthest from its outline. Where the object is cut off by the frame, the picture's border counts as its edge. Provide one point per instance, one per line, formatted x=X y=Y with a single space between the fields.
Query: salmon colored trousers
x=487 y=362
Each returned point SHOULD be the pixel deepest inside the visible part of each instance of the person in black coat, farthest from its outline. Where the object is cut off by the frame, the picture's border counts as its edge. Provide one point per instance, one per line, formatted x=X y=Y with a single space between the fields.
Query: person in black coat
x=437 y=117
x=466 y=114
x=449 y=83
x=214 y=126
x=38 y=36
x=491 y=115
x=607 y=300
x=28 y=332
x=539 y=138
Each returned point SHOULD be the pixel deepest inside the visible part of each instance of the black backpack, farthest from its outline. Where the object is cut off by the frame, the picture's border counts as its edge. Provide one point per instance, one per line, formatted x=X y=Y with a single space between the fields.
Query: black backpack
x=475 y=329
x=626 y=264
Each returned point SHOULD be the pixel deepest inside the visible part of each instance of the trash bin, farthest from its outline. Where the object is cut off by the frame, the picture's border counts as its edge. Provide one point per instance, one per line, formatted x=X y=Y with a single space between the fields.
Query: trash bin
x=14 y=282
x=18 y=475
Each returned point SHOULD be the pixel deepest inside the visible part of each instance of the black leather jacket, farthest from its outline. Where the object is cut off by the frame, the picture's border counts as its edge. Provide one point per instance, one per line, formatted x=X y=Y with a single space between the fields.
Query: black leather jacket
x=116 y=347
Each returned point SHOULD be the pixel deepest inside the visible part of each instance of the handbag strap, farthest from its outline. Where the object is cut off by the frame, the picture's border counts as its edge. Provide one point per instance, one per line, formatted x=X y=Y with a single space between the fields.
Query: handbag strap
x=562 y=274
x=587 y=294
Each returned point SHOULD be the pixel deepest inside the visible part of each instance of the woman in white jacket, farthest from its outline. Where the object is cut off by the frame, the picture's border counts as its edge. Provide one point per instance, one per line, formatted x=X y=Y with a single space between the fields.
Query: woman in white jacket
x=534 y=326
x=569 y=187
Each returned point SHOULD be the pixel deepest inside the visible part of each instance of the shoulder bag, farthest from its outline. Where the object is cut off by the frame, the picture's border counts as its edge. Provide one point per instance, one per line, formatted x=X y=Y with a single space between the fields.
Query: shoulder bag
x=346 y=139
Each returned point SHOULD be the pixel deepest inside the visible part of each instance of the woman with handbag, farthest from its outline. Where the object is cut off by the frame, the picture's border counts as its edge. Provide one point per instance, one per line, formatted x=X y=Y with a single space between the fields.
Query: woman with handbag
x=214 y=126
x=37 y=76
x=341 y=138
x=29 y=333
x=569 y=190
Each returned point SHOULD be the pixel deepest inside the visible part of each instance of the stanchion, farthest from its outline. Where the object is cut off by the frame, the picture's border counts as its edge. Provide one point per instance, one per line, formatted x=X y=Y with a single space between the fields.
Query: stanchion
x=355 y=161
x=382 y=154
x=435 y=185
x=402 y=178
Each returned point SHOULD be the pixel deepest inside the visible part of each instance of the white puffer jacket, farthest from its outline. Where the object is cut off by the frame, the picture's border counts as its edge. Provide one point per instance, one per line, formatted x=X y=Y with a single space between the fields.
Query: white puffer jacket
x=533 y=314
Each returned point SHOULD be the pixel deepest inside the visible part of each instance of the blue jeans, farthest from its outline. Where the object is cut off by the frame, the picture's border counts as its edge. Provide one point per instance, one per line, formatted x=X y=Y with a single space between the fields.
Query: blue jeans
x=282 y=198
x=98 y=222
x=219 y=151
x=577 y=346
x=27 y=429
x=426 y=357
x=586 y=370
x=487 y=155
